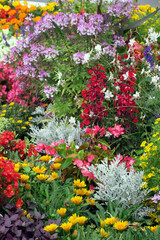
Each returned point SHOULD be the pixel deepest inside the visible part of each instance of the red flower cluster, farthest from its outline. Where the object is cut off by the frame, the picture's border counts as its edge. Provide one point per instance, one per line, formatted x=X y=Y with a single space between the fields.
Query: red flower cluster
x=93 y=97
x=124 y=102
x=8 y=178
x=9 y=143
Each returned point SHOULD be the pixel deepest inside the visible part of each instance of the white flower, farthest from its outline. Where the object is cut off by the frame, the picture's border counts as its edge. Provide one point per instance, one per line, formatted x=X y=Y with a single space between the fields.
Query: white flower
x=116 y=119
x=72 y=120
x=108 y=134
x=131 y=42
x=155 y=79
x=125 y=75
x=143 y=71
x=136 y=95
x=108 y=95
x=98 y=48
x=59 y=75
x=86 y=58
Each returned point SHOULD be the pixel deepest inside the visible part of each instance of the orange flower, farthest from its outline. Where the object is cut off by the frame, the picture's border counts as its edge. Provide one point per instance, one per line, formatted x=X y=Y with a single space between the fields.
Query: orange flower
x=22 y=16
x=36 y=19
x=5 y=26
x=3 y=21
x=14 y=21
x=62 y=211
x=12 y=12
x=76 y=200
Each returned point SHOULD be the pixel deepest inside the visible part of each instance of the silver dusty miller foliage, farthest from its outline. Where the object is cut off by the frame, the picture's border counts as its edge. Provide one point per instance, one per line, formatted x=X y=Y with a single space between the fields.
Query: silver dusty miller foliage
x=114 y=182
x=53 y=129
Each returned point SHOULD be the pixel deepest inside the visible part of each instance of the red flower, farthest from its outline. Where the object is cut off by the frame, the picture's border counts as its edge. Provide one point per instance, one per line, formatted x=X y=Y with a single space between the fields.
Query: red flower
x=19 y=203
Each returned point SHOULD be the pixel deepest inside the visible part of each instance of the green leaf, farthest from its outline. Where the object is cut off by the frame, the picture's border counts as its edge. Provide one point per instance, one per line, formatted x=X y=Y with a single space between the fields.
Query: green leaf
x=81 y=154
x=73 y=145
x=62 y=153
x=27 y=169
x=103 y=142
x=84 y=146
x=66 y=163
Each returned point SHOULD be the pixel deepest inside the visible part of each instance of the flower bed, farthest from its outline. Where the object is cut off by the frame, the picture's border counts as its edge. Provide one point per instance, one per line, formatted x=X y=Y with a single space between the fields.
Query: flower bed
x=79 y=126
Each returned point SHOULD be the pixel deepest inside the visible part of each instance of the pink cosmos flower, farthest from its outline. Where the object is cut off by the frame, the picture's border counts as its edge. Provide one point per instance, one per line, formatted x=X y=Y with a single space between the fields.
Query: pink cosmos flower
x=117 y=130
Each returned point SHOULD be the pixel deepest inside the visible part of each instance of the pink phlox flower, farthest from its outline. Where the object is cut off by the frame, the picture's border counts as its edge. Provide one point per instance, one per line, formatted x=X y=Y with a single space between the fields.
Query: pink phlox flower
x=117 y=130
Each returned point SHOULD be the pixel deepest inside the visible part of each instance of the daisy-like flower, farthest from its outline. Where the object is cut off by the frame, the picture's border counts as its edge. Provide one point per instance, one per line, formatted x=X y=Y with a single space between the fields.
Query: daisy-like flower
x=66 y=226
x=153 y=228
x=76 y=200
x=104 y=233
x=42 y=177
x=50 y=228
x=79 y=184
x=24 y=177
x=39 y=170
x=121 y=225
x=91 y=201
x=62 y=211
x=73 y=219
x=56 y=166
x=54 y=175
x=110 y=221
x=81 y=220
x=45 y=158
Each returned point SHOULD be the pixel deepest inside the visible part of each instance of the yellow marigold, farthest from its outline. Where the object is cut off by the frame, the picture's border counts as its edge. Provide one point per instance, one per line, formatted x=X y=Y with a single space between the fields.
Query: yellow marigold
x=45 y=158
x=32 y=8
x=66 y=226
x=24 y=177
x=50 y=228
x=91 y=201
x=81 y=220
x=6 y=8
x=153 y=229
x=82 y=192
x=62 y=211
x=39 y=170
x=73 y=219
x=104 y=233
x=110 y=221
x=56 y=166
x=42 y=177
x=121 y=225
x=22 y=16
x=54 y=175
x=76 y=200
x=79 y=184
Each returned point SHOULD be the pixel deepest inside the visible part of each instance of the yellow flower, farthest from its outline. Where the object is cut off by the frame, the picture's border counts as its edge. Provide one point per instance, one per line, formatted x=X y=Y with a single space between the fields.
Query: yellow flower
x=54 y=176
x=4 y=105
x=91 y=201
x=19 y=121
x=79 y=184
x=73 y=219
x=66 y=226
x=143 y=144
x=121 y=225
x=76 y=200
x=4 y=111
x=23 y=127
x=39 y=170
x=56 y=166
x=81 y=220
x=42 y=177
x=2 y=115
x=45 y=158
x=82 y=191
x=102 y=223
x=104 y=233
x=11 y=103
x=24 y=177
x=30 y=118
x=50 y=228
x=110 y=221
x=153 y=229
x=58 y=159
x=62 y=211
x=27 y=123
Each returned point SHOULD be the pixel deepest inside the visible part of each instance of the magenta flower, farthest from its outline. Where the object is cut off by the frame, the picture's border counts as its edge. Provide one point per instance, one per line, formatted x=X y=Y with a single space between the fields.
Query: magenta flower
x=117 y=130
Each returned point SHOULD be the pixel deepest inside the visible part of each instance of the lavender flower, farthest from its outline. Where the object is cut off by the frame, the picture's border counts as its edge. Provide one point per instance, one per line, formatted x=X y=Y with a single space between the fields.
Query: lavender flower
x=149 y=57
x=156 y=198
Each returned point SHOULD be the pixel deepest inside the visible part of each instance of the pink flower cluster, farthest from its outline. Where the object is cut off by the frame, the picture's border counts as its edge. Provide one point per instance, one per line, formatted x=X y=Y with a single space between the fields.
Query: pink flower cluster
x=129 y=161
x=117 y=130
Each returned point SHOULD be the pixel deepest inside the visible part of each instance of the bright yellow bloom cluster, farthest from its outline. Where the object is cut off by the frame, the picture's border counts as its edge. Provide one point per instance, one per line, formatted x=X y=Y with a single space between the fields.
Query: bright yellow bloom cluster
x=66 y=226
x=76 y=219
x=153 y=229
x=42 y=177
x=82 y=191
x=62 y=211
x=24 y=177
x=91 y=201
x=76 y=200
x=121 y=225
x=79 y=184
x=51 y=228
x=45 y=158
x=56 y=166
x=54 y=175
x=39 y=170
x=111 y=221
x=104 y=233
